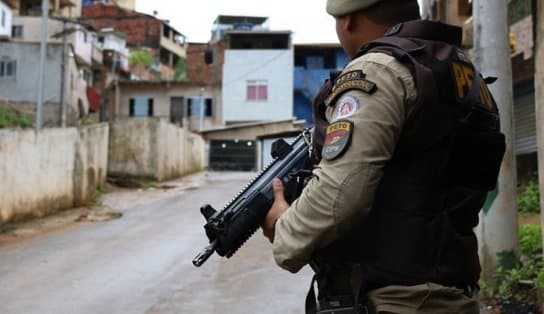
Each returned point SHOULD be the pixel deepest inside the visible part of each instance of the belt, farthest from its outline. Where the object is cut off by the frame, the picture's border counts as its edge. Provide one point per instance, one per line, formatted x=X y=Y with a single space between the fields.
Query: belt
x=469 y=290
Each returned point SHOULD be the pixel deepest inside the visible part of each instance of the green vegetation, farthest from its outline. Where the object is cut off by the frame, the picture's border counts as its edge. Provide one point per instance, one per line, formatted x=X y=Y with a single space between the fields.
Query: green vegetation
x=180 y=71
x=140 y=57
x=529 y=199
x=518 y=281
x=10 y=118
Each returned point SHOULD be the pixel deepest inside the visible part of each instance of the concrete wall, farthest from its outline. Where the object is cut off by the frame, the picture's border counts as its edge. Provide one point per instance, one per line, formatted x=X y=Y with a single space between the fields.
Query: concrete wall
x=32 y=29
x=273 y=66
x=90 y=162
x=153 y=148
x=23 y=87
x=51 y=170
x=25 y=84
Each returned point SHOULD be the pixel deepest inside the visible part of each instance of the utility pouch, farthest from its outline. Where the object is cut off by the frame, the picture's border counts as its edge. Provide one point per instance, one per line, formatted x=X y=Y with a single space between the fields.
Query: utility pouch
x=476 y=157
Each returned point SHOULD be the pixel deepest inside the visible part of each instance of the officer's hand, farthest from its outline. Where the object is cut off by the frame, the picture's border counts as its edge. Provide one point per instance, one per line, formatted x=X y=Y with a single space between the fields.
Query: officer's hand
x=279 y=207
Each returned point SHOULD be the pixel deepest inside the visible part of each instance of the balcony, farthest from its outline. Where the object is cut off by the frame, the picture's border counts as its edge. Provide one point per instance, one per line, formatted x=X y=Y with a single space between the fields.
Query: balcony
x=34 y=7
x=173 y=46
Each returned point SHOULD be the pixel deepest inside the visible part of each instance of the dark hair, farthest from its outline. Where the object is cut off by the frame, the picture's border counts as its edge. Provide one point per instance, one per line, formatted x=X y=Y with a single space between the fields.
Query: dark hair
x=391 y=12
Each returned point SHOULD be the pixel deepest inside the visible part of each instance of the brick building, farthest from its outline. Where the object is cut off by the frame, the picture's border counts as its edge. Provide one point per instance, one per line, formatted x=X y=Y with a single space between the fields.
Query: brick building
x=144 y=32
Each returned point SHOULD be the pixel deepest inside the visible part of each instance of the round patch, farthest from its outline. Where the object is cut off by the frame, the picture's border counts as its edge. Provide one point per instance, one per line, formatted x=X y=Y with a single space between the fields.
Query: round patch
x=337 y=140
x=347 y=106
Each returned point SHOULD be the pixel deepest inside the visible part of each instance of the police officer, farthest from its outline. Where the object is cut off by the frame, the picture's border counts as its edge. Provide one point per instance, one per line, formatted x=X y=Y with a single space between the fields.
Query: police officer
x=410 y=145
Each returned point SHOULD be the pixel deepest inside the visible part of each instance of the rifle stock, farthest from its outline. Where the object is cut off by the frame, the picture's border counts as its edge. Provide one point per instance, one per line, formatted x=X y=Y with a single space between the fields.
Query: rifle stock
x=231 y=227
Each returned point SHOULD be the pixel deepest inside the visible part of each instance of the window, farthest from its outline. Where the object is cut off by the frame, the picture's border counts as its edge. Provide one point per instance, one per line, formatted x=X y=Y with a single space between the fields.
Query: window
x=8 y=68
x=17 y=31
x=141 y=107
x=3 y=19
x=257 y=90
x=193 y=107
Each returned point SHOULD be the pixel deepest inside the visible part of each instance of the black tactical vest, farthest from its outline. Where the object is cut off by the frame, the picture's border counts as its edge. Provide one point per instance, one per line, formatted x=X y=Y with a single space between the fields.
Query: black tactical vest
x=420 y=228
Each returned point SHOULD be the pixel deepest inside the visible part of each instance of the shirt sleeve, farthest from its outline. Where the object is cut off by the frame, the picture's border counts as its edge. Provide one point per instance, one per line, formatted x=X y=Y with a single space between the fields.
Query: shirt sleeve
x=341 y=193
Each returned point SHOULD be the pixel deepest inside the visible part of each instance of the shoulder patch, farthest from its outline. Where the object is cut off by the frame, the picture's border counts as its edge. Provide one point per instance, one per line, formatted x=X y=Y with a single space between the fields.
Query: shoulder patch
x=348 y=81
x=337 y=139
x=346 y=107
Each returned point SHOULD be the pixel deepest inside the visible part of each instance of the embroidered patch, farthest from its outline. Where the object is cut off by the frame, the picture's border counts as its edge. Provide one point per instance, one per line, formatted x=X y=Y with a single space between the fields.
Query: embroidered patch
x=346 y=107
x=349 y=76
x=357 y=84
x=337 y=139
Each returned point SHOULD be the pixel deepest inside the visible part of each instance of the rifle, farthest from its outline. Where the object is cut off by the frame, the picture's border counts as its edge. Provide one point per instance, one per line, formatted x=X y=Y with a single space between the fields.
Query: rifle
x=231 y=227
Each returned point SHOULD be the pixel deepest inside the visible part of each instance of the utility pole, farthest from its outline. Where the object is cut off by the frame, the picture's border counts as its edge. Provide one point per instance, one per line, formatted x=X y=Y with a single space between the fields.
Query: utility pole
x=63 y=77
x=41 y=70
x=498 y=228
x=201 y=109
x=539 y=101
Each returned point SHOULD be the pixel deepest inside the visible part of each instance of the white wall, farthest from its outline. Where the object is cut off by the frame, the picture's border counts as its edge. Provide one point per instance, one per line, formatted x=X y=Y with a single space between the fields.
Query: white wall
x=5 y=29
x=32 y=29
x=50 y=170
x=114 y=42
x=154 y=148
x=83 y=44
x=273 y=66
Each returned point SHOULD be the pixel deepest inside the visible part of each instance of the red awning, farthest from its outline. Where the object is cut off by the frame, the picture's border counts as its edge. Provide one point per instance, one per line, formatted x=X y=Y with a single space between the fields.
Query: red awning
x=94 y=99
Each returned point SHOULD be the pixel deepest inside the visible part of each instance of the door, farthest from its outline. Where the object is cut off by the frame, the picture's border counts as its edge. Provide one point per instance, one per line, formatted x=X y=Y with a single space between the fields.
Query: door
x=176 y=110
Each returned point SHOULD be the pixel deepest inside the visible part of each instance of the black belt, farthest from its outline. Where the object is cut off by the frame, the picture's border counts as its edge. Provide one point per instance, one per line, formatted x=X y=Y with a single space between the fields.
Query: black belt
x=469 y=290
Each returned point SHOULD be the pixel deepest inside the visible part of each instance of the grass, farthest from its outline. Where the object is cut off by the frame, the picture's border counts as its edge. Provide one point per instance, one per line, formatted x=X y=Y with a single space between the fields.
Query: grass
x=10 y=118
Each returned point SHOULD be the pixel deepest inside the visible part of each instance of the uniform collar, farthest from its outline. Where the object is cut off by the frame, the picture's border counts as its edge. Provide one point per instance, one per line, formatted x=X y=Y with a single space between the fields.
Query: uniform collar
x=428 y=30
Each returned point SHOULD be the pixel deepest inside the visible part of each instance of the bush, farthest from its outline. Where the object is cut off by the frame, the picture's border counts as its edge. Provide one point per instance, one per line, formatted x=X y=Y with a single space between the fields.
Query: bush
x=529 y=199
x=530 y=239
x=11 y=119
x=517 y=281
x=140 y=57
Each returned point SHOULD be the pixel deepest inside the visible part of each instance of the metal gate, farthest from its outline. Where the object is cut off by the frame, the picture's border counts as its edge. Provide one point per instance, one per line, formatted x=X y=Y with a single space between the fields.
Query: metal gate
x=524 y=121
x=233 y=155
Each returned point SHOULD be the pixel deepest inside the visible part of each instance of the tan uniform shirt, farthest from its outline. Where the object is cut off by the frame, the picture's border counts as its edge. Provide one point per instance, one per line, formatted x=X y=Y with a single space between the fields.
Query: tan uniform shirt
x=342 y=190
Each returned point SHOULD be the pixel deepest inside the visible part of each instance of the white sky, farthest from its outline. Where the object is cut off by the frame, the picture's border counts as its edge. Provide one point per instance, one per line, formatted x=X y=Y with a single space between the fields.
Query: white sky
x=307 y=19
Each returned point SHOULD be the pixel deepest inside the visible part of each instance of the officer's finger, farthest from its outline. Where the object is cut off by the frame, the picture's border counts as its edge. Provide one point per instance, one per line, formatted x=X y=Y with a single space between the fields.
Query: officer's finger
x=277 y=186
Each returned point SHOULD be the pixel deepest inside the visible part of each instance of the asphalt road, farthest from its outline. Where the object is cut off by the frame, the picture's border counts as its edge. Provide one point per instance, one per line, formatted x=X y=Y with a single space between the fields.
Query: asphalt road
x=141 y=263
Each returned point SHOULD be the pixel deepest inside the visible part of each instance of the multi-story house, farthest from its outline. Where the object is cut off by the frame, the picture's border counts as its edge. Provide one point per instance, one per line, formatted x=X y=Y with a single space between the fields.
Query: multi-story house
x=68 y=64
x=5 y=19
x=145 y=34
x=313 y=65
x=257 y=73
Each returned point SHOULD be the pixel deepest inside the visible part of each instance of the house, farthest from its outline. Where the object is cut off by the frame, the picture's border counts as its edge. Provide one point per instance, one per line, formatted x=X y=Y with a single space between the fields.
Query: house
x=69 y=67
x=145 y=35
x=313 y=65
x=180 y=102
x=5 y=20
x=258 y=72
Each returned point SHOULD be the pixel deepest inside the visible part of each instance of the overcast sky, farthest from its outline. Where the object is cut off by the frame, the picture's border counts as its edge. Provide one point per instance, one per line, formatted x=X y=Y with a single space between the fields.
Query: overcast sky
x=307 y=19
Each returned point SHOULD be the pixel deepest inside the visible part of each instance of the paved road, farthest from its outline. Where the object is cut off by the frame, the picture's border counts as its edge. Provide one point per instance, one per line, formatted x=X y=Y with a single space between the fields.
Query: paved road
x=141 y=263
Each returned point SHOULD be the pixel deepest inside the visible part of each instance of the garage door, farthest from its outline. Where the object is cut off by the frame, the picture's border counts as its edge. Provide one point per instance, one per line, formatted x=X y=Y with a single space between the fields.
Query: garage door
x=233 y=155
x=525 y=121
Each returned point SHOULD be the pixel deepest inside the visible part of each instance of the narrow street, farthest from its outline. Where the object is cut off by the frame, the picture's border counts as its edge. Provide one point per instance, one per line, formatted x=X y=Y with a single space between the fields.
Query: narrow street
x=141 y=263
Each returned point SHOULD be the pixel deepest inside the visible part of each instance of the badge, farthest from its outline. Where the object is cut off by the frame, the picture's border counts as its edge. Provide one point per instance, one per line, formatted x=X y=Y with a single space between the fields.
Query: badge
x=337 y=139
x=347 y=106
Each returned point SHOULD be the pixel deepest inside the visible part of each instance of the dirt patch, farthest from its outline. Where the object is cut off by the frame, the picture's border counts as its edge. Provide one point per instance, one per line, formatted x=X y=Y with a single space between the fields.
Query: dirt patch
x=96 y=217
